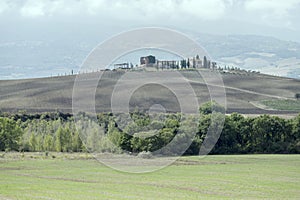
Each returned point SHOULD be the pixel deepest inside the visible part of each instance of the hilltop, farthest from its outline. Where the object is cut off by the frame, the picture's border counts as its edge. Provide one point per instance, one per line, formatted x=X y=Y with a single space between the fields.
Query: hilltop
x=246 y=93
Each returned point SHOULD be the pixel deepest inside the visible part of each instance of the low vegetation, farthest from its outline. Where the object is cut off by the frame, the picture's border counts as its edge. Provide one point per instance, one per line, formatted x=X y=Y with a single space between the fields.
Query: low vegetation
x=279 y=104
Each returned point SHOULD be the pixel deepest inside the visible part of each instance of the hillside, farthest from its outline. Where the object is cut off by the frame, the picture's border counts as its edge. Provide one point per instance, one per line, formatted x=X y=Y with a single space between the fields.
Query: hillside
x=245 y=93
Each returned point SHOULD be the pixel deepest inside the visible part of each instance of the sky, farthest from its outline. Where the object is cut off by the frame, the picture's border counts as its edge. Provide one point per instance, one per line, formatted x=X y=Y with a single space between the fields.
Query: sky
x=64 y=19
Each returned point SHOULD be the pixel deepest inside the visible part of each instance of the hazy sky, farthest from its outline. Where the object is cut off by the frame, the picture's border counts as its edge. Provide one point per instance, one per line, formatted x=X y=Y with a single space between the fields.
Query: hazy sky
x=64 y=19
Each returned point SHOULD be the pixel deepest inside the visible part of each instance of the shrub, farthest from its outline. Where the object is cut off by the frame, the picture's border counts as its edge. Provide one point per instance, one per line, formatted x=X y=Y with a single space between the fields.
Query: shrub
x=145 y=155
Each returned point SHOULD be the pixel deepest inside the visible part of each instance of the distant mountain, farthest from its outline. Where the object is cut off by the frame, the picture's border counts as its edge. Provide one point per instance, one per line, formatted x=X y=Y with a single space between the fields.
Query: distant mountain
x=33 y=59
x=265 y=54
x=24 y=59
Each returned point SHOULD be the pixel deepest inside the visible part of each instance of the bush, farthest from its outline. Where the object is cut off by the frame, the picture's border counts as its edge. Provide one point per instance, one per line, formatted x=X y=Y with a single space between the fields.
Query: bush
x=210 y=107
x=145 y=155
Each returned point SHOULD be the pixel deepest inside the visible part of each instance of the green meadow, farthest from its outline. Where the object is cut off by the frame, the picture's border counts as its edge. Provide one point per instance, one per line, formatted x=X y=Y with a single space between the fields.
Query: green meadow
x=79 y=176
x=282 y=104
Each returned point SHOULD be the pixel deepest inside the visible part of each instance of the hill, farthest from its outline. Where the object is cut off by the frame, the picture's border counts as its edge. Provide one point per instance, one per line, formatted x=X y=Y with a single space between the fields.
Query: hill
x=246 y=93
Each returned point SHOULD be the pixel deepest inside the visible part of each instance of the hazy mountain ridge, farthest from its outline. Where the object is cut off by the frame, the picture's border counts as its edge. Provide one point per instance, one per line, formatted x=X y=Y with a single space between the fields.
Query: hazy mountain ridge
x=265 y=54
x=39 y=58
x=23 y=59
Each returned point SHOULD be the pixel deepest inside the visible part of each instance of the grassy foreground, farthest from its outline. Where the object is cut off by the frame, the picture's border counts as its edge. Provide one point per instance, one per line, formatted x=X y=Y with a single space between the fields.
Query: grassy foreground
x=78 y=176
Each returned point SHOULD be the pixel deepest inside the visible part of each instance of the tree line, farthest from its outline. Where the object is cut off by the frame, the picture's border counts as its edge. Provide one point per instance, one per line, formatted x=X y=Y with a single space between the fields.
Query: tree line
x=58 y=132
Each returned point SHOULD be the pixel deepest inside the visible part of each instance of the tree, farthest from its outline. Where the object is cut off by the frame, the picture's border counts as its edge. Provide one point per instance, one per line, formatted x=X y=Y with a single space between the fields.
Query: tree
x=156 y=125
x=294 y=143
x=209 y=107
x=118 y=137
x=172 y=123
x=230 y=140
x=205 y=63
x=76 y=142
x=183 y=64
x=245 y=130
x=48 y=141
x=141 y=119
x=59 y=140
x=139 y=144
x=33 y=142
x=268 y=134
x=10 y=134
x=67 y=140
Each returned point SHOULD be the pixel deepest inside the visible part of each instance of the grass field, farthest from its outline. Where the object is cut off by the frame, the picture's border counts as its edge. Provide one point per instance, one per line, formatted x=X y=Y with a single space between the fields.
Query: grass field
x=78 y=176
x=282 y=104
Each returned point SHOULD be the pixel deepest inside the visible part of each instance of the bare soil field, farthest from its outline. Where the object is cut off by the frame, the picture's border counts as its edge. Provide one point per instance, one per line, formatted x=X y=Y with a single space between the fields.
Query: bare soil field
x=55 y=93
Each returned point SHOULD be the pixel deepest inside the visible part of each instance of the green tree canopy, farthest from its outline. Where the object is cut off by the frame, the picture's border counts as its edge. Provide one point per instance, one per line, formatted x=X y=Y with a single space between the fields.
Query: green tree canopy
x=10 y=134
x=209 y=107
